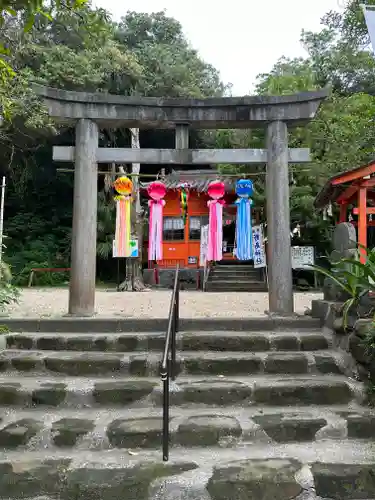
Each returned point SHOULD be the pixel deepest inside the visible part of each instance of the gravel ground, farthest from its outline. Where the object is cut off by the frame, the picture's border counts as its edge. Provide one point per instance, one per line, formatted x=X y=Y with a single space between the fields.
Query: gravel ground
x=53 y=302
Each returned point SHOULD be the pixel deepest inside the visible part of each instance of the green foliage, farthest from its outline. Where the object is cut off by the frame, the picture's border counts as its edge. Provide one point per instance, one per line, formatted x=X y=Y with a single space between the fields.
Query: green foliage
x=355 y=278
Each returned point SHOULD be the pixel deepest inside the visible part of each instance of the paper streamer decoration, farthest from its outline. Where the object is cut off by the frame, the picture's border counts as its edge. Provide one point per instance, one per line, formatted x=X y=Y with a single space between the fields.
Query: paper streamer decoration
x=156 y=191
x=244 y=231
x=216 y=190
x=123 y=187
x=184 y=198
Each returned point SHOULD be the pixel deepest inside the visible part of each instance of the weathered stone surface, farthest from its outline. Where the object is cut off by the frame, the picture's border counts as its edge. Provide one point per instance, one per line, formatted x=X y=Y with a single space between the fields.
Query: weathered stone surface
x=155 y=343
x=136 y=433
x=285 y=343
x=363 y=327
x=19 y=433
x=67 y=431
x=122 y=393
x=10 y=394
x=272 y=479
x=313 y=343
x=325 y=363
x=344 y=237
x=138 y=366
x=56 y=343
x=19 y=342
x=303 y=393
x=32 y=478
x=26 y=363
x=344 y=482
x=283 y=363
x=49 y=394
x=358 y=349
x=130 y=483
x=89 y=343
x=361 y=426
x=212 y=392
x=84 y=364
x=223 y=366
x=289 y=428
x=242 y=343
x=207 y=430
x=339 y=325
x=127 y=343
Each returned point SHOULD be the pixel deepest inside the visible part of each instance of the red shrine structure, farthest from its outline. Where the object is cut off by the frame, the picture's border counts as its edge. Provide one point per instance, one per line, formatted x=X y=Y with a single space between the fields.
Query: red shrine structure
x=354 y=192
x=181 y=241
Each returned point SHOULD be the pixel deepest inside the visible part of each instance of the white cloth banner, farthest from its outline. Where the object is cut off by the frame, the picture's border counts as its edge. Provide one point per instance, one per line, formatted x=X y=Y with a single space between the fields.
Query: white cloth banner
x=259 y=253
x=204 y=246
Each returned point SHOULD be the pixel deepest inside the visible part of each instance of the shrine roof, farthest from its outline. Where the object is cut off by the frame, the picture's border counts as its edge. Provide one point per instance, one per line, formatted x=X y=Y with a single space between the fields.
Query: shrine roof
x=196 y=179
x=339 y=184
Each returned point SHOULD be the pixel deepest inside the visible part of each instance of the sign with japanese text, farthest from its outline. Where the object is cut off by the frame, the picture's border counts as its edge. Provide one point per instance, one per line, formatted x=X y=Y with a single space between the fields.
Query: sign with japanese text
x=303 y=257
x=203 y=246
x=259 y=254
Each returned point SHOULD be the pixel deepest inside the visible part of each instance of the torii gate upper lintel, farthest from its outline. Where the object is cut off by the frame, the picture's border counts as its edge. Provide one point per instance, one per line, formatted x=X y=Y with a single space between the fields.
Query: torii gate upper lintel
x=88 y=112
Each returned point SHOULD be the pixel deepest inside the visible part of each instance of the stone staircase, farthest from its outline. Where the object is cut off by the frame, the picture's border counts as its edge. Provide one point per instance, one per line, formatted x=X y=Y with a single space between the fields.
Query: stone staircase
x=268 y=413
x=235 y=277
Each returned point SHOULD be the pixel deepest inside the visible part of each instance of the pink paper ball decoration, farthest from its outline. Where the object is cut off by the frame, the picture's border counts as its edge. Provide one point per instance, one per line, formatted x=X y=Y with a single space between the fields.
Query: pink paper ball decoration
x=157 y=190
x=216 y=189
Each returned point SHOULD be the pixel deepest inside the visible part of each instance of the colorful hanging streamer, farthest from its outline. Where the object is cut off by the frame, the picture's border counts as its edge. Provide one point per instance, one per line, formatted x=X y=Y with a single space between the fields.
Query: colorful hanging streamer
x=216 y=190
x=184 y=198
x=156 y=191
x=244 y=231
x=123 y=186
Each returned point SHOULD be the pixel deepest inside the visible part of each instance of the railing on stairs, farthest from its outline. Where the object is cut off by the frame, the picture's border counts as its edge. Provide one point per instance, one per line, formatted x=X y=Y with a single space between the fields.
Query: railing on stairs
x=206 y=274
x=168 y=363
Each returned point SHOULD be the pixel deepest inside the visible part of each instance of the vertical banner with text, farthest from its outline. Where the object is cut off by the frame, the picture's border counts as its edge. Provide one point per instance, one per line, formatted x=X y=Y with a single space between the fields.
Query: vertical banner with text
x=259 y=253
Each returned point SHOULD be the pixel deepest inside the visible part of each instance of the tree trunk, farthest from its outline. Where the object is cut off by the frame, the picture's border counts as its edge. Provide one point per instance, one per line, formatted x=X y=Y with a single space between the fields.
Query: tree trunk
x=134 y=276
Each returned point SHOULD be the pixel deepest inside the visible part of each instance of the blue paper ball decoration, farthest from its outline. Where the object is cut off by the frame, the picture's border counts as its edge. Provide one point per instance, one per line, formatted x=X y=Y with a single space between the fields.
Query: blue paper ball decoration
x=244 y=188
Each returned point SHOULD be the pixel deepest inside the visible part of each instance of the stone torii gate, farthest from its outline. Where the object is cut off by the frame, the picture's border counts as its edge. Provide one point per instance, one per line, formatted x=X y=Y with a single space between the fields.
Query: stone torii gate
x=90 y=112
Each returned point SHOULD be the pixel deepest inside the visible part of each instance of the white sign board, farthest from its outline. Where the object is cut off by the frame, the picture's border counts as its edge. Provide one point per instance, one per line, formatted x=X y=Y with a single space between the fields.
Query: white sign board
x=259 y=254
x=303 y=257
x=204 y=246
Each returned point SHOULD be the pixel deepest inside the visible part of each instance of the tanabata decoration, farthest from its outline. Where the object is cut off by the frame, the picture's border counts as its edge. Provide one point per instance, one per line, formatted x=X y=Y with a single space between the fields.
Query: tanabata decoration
x=123 y=187
x=184 y=198
x=215 y=190
x=156 y=191
x=244 y=231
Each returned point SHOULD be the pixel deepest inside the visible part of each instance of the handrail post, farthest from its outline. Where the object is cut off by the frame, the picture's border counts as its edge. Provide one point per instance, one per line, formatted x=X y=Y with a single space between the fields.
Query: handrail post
x=168 y=364
x=174 y=331
x=165 y=379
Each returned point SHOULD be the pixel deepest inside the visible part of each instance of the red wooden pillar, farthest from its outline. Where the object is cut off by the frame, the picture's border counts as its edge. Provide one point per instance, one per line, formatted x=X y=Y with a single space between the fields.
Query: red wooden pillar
x=343 y=212
x=362 y=222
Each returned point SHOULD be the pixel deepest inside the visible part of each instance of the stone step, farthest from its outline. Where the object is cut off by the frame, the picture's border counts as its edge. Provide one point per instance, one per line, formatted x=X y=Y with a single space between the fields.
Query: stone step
x=197 y=427
x=265 y=390
x=234 y=274
x=188 y=363
x=123 y=324
x=331 y=469
x=236 y=287
x=240 y=278
x=254 y=341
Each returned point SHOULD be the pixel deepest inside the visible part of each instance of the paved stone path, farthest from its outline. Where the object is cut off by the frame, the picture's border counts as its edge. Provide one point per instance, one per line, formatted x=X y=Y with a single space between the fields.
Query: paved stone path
x=51 y=302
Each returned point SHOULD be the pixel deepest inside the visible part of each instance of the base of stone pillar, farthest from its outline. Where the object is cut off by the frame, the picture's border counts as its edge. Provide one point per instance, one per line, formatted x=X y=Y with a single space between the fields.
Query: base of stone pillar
x=280 y=315
x=80 y=315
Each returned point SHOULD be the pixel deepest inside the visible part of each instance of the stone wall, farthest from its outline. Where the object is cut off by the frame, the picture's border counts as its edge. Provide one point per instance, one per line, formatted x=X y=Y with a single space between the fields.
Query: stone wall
x=190 y=279
x=349 y=339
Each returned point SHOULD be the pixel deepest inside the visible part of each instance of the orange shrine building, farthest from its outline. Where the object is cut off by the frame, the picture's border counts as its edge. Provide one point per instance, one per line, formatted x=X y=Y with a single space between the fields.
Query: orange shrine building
x=354 y=192
x=182 y=241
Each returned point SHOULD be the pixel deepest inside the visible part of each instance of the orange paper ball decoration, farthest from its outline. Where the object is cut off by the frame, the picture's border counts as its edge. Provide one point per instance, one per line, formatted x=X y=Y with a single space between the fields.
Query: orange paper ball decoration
x=123 y=185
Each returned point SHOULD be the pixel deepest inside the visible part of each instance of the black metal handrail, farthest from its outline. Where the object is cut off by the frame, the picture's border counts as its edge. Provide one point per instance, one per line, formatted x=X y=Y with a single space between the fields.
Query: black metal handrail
x=168 y=363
